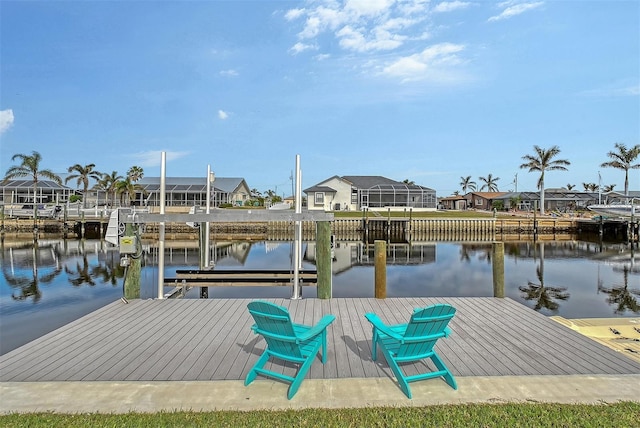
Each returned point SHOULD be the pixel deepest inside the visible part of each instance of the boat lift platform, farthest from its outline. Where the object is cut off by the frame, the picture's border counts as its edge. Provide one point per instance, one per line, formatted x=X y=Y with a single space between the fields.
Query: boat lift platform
x=208 y=278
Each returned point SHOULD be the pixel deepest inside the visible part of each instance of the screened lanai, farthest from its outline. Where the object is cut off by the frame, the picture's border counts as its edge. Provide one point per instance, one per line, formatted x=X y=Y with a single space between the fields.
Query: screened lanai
x=15 y=192
x=397 y=195
x=189 y=191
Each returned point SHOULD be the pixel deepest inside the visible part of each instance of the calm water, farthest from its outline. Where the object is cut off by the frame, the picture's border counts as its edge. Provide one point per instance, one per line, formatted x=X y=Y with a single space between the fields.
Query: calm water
x=45 y=287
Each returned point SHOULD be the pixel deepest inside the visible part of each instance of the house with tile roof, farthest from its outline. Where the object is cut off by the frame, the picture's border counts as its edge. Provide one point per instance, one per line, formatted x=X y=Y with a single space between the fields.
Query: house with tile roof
x=358 y=192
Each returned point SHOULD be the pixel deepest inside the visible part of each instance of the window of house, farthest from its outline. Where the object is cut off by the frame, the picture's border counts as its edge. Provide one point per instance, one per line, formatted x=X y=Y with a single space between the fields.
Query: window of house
x=319 y=198
x=354 y=197
x=478 y=201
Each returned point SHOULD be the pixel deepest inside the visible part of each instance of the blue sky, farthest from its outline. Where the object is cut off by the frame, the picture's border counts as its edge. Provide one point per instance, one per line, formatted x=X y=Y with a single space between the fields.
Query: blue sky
x=428 y=91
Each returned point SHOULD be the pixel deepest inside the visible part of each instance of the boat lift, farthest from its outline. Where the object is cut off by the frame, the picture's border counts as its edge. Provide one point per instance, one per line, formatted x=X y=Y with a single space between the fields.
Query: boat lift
x=118 y=221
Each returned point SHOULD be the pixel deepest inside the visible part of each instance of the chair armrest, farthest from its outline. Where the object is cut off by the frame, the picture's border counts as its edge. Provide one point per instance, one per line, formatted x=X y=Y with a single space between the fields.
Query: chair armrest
x=318 y=328
x=447 y=331
x=382 y=327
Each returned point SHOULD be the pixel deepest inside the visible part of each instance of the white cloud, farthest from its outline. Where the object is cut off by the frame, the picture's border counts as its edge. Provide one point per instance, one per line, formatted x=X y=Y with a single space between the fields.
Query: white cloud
x=368 y=7
x=449 y=6
x=432 y=63
x=380 y=39
x=301 y=47
x=6 y=120
x=360 y=25
x=293 y=14
x=515 y=9
x=222 y=115
x=154 y=157
x=370 y=31
x=229 y=73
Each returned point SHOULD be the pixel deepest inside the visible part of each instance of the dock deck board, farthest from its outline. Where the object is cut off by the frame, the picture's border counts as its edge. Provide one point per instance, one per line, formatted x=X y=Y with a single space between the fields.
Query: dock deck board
x=211 y=339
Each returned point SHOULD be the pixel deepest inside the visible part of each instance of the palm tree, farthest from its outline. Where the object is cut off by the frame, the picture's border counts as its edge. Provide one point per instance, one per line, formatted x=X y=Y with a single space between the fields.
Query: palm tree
x=83 y=174
x=135 y=173
x=128 y=187
x=108 y=183
x=590 y=187
x=467 y=184
x=30 y=167
x=408 y=182
x=543 y=161
x=623 y=159
x=490 y=183
x=608 y=188
x=570 y=186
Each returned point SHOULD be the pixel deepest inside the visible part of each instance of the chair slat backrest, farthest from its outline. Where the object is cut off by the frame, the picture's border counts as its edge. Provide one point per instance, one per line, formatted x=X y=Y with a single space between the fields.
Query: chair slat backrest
x=273 y=322
x=430 y=321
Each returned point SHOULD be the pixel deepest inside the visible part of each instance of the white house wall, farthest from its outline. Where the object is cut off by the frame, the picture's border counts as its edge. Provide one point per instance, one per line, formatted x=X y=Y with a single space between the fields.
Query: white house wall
x=342 y=196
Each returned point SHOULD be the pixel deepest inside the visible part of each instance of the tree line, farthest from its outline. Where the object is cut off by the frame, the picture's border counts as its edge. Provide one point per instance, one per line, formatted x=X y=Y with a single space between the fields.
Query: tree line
x=112 y=184
x=540 y=161
x=543 y=160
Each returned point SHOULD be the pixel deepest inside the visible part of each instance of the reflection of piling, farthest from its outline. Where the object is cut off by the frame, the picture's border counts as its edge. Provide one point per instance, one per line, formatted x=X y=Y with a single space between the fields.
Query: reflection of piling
x=380 y=255
x=498 y=268
x=323 y=259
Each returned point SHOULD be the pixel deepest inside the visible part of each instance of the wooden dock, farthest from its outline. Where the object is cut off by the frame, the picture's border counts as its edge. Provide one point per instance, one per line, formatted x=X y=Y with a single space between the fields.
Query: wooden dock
x=202 y=339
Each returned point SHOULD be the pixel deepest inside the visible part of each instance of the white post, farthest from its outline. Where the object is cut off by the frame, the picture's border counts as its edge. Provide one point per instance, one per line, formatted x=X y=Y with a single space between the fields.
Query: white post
x=206 y=223
x=163 y=186
x=297 y=291
x=599 y=188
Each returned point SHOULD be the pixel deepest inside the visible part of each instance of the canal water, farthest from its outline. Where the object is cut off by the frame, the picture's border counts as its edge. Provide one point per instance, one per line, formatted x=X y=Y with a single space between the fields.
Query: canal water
x=47 y=285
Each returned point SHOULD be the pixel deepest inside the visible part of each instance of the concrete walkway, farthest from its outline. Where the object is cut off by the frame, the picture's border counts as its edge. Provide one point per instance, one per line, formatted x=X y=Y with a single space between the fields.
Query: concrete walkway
x=123 y=397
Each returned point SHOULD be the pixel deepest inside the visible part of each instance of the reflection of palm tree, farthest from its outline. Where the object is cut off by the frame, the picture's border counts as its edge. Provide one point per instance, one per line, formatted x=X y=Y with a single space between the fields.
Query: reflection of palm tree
x=481 y=251
x=109 y=272
x=29 y=286
x=464 y=253
x=82 y=273
x=622 y=295
x=544 y=296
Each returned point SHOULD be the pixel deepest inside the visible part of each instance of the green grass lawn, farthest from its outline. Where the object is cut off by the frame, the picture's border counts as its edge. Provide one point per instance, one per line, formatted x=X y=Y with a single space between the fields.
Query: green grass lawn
x=624 y=414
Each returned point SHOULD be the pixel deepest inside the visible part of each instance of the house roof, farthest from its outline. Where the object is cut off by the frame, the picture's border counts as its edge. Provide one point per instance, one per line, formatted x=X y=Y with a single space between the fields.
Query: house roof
x=192 y=184
x=28 y=184
x=560 y=195
x=325 y=189
x=487 y=195
x=453 y=198
x=368 y=181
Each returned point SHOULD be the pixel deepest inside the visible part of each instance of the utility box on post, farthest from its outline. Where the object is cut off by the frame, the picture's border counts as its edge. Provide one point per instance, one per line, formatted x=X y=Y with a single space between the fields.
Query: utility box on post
x=128 y=245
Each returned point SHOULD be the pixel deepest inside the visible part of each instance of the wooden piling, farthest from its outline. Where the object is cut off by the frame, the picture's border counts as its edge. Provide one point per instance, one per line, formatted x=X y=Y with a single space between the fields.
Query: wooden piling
x=133 y=271
x=380 y=256
x=323 y=259
x=498 y=268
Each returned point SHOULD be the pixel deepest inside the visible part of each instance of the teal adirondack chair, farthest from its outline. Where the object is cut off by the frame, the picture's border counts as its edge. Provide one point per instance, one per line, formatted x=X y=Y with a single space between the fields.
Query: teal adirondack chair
x=404 y=343
x=287 y=341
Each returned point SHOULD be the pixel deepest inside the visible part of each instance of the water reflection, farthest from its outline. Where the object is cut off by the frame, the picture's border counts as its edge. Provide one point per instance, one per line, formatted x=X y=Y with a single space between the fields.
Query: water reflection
x=624 y=298
x=49 y=283
x=26 y=267
x=544 y=296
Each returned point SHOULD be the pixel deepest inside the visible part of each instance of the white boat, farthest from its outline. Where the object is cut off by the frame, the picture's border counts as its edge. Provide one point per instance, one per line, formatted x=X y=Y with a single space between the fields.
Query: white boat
x=616 y=210
x=26 y=211
x=280 y=206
